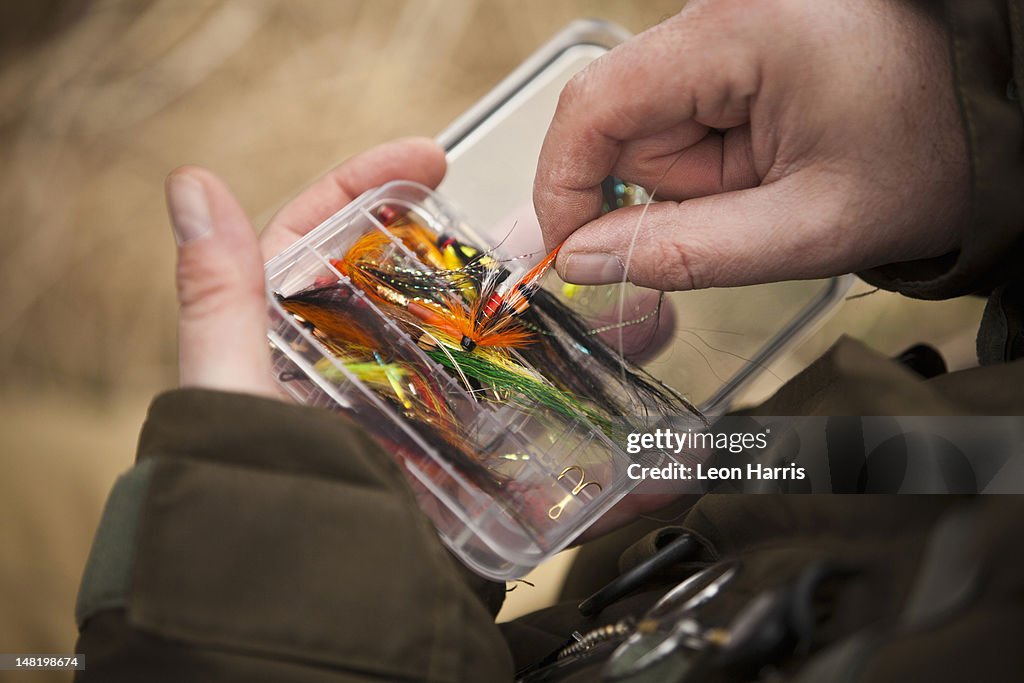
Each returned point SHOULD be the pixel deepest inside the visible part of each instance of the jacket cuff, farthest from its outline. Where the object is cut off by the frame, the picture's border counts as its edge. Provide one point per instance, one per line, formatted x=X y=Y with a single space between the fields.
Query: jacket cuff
x=987 y=52
x=252 y=431
x=274 y=531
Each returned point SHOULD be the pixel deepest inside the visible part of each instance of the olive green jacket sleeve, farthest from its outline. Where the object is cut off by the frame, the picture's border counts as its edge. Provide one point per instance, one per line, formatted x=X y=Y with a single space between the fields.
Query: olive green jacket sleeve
x=986 y=45
x=256 y=540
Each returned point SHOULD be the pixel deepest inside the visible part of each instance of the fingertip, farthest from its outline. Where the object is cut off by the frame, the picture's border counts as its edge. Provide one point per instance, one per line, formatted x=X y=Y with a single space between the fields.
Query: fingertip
x=201 y=175
x=635 y=244
x=188 y=206
x=198 y=175
x=433 y=158
x=426 y=146
x=217 y=247
x=188 y=169
x=418 y=159
x=424 y=159
x=591 y=268
x=178 y=172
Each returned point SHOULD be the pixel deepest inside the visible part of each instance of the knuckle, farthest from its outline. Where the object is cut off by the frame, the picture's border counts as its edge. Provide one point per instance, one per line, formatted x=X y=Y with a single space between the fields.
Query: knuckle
x=680 y=265
x=687 y=262
x=573 y=91
x=206 y=288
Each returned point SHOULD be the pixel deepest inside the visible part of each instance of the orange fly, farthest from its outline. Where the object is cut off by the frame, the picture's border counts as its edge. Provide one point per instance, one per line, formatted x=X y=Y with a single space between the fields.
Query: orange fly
x=493 y=318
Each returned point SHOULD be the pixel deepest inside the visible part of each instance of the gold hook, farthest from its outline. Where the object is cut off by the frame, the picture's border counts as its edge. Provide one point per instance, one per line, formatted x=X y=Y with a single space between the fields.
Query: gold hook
x=556 y=510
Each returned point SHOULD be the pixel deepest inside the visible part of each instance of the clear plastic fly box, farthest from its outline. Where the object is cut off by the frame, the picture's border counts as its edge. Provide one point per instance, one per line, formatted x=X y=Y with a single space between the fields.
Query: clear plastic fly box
x=505 y=406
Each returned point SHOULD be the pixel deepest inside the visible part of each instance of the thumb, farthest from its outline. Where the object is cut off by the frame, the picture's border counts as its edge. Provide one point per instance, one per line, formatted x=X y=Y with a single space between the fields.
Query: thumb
x=222 y=323
x=763 y=234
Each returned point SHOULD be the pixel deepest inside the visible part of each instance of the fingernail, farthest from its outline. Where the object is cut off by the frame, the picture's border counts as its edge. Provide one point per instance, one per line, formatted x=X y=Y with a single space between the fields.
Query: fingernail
x=593 y=269
x=190 y=212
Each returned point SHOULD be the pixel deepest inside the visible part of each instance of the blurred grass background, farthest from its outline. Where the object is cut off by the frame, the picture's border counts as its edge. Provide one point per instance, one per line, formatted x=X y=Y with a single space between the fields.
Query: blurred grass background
x=99 y=101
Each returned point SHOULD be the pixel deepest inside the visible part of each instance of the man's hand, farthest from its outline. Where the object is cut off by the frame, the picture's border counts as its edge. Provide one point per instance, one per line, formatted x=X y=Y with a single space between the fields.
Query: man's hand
x=795 y=138
x=223 y=321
